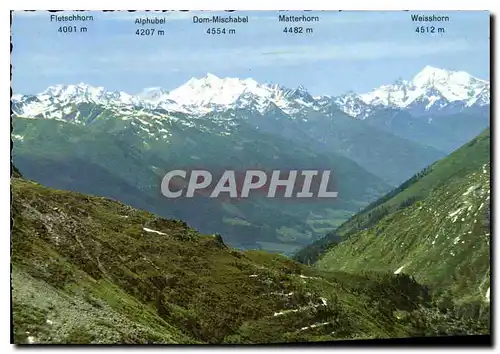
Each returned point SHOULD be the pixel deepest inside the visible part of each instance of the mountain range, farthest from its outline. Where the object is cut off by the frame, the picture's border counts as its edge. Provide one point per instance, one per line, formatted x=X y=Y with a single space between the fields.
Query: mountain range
x=433 y=110
x=128 y=142
x=431 y=90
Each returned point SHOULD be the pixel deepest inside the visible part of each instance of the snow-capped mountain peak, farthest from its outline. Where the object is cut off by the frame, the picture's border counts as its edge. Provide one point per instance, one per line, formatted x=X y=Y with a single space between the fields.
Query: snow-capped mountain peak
x=430 y=70
x=430 y=74
x=211 y=92
x=454 y=85
x=352 y=104
x=83 y=93
x=431 y=88
x=153 y=95
x=80 y=89
x=55 y=101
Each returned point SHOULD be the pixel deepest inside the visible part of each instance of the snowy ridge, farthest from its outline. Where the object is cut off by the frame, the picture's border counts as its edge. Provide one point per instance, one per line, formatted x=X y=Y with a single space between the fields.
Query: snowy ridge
x=352 y=104
x=56 y=101
x=431 y=88
x=196 y=97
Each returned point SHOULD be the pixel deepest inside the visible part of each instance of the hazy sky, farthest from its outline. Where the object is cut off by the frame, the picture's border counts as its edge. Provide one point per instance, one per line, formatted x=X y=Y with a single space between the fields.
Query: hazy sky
x=347 y=51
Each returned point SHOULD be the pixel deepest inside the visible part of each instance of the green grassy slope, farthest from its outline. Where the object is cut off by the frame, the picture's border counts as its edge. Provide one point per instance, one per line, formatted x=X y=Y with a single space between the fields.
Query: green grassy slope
x=91 y=270
x=469 y=158
x=459 y=164
x=442 y=238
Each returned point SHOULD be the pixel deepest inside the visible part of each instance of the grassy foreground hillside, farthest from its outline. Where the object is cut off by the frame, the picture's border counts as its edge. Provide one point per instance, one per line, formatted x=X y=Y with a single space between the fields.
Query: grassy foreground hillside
x=92 y=270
